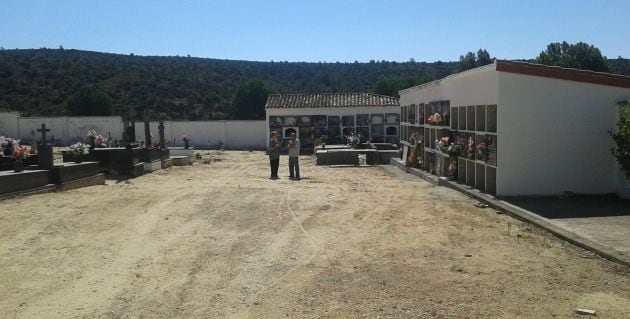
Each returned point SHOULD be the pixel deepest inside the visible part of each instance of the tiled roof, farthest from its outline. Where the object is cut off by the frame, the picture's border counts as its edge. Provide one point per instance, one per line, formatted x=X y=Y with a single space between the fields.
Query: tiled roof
x=285 y=101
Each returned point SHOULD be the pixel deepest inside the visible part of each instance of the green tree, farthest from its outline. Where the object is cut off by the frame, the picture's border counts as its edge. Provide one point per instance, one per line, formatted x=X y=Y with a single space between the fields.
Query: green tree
x=578 y=56
x=249 y=101
x=483 y=58
x=391 y=86
x=466 y=62
x=470 y=60
x=622 y=139
x=89 y=101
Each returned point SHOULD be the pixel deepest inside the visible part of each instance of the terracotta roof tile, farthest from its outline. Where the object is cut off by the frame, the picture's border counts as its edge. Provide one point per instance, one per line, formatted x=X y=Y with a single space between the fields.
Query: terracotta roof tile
x=276 y=101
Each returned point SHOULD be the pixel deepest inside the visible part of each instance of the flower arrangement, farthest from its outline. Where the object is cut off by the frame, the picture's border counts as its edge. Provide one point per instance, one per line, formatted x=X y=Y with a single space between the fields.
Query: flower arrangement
x=354 y=139
x=442 y=144
x=96 y=140
x=186 y=138
x=470 y=148
x=100 y=141
x=435 y=119
x=156 y=145
x=482 y=151
x=7 y=145
x=80 y=148
x=20 y=152
x=451 y=149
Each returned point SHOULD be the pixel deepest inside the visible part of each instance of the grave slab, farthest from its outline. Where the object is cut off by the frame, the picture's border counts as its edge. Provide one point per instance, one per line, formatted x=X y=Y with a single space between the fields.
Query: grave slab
x=28 y=180
x=180 y=160
x=152 y=166
x=66 y=172
x=167 y=163
x=180 y=151
x=98 y=179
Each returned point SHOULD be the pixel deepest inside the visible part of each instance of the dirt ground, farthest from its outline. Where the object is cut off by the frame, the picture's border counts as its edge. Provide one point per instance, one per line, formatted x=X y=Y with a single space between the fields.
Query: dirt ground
x=221 y=240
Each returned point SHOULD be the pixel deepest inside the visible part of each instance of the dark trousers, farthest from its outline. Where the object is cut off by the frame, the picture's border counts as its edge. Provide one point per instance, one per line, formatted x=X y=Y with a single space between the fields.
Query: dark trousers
x=274 y=163
x=294 y=167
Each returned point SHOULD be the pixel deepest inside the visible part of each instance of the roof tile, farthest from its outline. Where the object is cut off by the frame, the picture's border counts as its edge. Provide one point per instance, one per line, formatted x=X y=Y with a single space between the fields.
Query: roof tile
x=276 y=101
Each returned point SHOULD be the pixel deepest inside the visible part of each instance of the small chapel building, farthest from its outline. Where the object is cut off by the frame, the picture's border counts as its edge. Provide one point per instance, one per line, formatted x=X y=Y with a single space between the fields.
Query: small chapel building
x=333 y=116
x=519 y=129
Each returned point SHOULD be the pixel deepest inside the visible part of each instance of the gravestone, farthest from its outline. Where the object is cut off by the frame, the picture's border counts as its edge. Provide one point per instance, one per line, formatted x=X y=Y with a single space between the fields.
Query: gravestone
x=147 y=129
x=45 y=158
x=161 y=131
x=126 y=138
x=131 y=129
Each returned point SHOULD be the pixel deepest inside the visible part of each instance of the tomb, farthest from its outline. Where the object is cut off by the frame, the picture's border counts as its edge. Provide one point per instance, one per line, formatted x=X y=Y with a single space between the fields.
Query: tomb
x=539 y=118
x=25 y=182
x=329 y=118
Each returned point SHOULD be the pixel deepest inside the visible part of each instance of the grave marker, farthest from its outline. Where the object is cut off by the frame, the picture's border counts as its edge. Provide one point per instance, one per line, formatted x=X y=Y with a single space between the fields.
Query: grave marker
x=161 y=132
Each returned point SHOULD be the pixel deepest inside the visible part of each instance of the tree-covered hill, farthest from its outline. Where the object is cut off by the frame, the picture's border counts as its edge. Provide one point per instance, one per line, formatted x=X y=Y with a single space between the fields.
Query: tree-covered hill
x=40 y=81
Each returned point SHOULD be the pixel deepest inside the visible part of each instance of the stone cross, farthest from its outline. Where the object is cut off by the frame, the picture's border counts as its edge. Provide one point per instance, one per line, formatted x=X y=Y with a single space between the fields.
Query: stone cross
x=43 y=130
x=161 y=130
x=147 y=129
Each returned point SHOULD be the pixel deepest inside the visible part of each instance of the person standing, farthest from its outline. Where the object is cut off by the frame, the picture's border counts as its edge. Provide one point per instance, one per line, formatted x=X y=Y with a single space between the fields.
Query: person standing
x=274 y=154
x=294 y=156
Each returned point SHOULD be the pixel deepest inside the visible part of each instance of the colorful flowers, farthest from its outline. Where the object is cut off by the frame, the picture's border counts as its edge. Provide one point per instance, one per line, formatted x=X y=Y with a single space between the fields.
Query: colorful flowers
x=80 y=148
x=186 y=138
x=435 y=119
x=20 y=152
x=7 y=144
x=96 y=140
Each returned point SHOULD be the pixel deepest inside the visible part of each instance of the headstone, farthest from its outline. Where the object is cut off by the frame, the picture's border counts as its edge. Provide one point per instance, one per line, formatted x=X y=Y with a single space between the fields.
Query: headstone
x=147 y=129
x=161 y=130
x=43 y=130
x=126 y=138
x=45 y=158
x=130 y=128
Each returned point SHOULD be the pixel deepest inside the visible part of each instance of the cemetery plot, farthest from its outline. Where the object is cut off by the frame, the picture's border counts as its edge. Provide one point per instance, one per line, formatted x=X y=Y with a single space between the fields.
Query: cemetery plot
x=221 y=240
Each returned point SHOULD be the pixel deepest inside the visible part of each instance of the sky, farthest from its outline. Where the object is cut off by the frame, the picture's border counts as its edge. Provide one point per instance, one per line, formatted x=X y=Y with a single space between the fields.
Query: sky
x=312 y=31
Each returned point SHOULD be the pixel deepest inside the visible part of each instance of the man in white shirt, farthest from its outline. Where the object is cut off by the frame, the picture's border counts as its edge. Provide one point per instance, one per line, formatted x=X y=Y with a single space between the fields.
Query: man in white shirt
x=294 y=153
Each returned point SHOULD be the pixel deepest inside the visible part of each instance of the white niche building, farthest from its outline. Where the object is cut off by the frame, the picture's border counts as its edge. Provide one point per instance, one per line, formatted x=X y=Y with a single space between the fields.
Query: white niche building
x=375 y=117
x=534 y=129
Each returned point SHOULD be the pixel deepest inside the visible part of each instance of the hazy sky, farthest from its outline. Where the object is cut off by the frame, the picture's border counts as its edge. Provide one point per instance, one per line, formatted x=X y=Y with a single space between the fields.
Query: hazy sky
x=316 y=30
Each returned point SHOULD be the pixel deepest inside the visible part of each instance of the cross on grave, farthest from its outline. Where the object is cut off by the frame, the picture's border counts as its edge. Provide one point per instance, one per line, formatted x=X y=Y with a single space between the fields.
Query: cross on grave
x=43 y=130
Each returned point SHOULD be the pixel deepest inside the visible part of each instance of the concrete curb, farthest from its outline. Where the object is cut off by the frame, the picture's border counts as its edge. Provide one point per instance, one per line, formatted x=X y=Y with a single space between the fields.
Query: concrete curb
x=521 y=214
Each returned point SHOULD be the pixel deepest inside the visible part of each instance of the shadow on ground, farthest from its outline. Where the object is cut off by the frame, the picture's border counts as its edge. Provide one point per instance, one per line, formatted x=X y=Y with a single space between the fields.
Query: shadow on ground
x=580 y=206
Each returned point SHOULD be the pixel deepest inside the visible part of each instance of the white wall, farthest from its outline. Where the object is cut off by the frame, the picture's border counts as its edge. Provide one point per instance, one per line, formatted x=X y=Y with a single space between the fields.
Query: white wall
x=553 y=136
x=68 y=130
x=9 y=124
x=473 y=87
x=204 y=134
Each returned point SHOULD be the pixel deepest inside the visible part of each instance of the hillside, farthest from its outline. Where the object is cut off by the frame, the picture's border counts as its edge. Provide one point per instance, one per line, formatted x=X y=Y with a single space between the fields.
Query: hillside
x=38 y=82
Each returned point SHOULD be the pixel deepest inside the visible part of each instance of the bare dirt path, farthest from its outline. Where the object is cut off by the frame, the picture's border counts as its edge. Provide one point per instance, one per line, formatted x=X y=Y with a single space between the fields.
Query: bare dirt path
x=221 y=240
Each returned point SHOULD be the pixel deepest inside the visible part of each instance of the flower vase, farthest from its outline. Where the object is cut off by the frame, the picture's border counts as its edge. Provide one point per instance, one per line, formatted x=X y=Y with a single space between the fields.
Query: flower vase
x=18 y=165
x=186 y=144
x=78 y=158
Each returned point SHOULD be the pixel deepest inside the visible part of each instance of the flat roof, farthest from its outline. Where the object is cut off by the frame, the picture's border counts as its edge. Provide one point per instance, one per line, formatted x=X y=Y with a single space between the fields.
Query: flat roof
x=540 y=70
